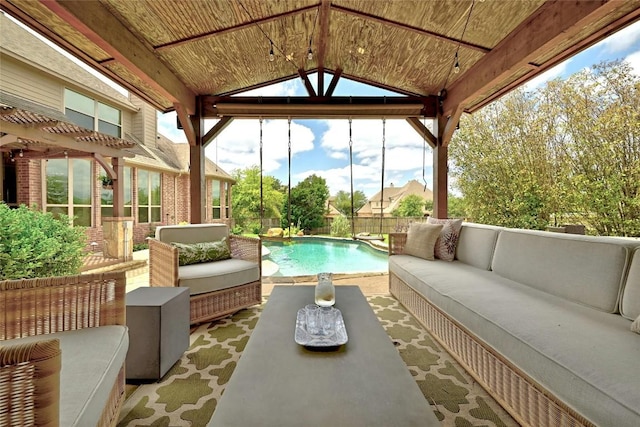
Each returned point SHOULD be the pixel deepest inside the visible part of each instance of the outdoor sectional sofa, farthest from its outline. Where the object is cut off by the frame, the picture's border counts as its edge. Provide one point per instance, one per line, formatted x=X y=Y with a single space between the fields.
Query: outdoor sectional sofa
x=217 y=288
x=63 y=344
x=541 y=320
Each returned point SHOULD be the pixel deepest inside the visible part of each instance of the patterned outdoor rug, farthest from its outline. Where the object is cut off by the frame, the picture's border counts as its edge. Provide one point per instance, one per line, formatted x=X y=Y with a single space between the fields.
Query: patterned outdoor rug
x=189 y=392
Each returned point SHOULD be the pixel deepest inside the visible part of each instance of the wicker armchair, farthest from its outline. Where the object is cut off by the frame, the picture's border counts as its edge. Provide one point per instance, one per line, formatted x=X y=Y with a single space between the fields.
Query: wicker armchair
x=225 y=289
x=30 y=373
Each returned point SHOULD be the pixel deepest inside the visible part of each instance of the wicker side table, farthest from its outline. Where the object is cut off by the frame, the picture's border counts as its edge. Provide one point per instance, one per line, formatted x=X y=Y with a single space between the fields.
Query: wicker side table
x=158 y=321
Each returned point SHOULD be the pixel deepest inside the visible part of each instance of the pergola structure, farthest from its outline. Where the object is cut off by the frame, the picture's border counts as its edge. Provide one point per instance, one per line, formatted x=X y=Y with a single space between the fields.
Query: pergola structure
x=441 y=57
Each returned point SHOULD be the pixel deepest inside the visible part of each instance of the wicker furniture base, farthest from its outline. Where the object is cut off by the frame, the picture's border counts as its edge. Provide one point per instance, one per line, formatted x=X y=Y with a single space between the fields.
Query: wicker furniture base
x=218 y=304
x=525 y=400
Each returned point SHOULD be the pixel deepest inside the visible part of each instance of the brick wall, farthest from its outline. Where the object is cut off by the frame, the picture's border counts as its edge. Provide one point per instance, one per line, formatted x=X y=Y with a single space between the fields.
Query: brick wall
x=29 y=180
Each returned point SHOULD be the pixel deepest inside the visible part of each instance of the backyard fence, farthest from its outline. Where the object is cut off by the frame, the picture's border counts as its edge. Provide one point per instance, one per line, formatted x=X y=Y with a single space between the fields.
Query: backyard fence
x=361 y=225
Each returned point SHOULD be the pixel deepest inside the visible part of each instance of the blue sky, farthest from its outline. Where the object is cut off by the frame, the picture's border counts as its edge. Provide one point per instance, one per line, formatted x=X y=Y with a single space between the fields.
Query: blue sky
x=321 y=147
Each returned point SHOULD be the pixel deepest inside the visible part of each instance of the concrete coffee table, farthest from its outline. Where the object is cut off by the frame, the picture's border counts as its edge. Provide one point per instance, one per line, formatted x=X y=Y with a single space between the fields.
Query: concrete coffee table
x=280 y=383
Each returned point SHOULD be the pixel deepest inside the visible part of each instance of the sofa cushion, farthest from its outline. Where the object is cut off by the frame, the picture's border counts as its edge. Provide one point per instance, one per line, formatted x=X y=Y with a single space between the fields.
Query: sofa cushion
x=568 y=348
x=194 y=253
x=214 y=276
x=476 y=244
x=630 y=303
x=445 y=247
x=192 y=233
x=421 y=239
x=583 y=269
x=91 y=361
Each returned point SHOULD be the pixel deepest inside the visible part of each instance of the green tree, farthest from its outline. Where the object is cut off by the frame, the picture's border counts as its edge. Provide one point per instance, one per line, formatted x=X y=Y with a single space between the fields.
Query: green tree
x=35 y=244
x=342 y=202
x=412 y=205
x=568 y=152
x=308 y=202
x=246 y=196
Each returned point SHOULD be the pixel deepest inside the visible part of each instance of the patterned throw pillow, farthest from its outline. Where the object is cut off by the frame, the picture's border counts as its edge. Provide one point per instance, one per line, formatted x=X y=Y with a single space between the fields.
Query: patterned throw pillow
x=195 y=253
x=445 y=248
x=420 y=240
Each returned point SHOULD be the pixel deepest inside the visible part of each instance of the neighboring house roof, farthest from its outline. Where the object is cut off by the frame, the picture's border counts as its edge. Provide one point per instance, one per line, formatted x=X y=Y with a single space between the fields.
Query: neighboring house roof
x=20 y=43
x=391 y=198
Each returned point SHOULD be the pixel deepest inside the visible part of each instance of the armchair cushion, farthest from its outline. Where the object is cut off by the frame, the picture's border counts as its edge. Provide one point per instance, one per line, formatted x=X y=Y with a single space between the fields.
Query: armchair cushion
x=214 y=276
x=194 y=253
x=91 y=361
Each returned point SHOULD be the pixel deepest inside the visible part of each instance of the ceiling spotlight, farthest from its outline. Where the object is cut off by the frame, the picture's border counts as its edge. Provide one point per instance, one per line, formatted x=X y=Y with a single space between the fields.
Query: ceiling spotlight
x=310 y=54
x=456 y=67
x=271 y=54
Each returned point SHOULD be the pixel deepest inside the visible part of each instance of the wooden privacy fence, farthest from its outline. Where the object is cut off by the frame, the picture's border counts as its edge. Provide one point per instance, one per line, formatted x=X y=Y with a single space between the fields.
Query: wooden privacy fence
x=361 y=225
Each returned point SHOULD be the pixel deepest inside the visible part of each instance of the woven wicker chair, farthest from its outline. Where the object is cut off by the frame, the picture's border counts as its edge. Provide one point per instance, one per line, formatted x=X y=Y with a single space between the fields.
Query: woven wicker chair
x=220 y=300
x=30 y=373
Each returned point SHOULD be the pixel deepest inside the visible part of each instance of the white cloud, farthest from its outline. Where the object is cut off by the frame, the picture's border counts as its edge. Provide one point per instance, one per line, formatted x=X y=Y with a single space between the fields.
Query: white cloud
x=238 y=146
x=548 y=75
x=403 y=153
x=286 y=88
x=622 y=40
x=634 y=61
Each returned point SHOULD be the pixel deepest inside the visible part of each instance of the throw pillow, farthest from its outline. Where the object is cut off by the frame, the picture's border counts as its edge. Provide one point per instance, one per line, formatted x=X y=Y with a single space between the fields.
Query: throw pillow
x=445 y=248
x=635 y=326
x=195 y=253
x=421 y=238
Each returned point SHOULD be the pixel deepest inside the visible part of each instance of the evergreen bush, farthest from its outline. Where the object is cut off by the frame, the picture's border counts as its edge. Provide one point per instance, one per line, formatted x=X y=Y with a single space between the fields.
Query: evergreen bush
x=341 y=227
x=36 y=244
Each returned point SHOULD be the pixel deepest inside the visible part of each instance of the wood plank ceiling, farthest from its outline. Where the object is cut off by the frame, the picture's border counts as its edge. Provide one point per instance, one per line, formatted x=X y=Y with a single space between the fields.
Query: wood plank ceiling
x=169 y=52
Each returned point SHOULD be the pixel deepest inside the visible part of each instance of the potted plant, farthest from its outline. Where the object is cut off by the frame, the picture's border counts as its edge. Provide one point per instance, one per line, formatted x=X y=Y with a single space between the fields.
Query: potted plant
x=107 y=183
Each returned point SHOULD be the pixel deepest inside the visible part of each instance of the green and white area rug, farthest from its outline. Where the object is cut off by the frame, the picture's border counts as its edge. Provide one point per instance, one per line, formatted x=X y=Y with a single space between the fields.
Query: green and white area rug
x=189 y=392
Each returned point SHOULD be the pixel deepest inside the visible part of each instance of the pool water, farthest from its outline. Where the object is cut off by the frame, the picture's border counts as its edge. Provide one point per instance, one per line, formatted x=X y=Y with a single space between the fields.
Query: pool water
x=312 y=255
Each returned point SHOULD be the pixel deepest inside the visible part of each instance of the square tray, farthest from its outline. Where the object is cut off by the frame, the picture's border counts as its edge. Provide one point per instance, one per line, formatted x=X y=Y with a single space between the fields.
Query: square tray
x=306 y=339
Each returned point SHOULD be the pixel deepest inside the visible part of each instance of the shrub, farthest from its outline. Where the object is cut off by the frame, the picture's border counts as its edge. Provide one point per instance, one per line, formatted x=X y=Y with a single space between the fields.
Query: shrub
x=341 y=227
x=237 y=230
x=36 y=244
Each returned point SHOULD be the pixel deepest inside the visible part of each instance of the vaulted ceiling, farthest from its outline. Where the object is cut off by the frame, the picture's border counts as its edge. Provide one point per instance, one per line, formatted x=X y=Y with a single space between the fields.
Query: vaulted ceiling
x=168 y=51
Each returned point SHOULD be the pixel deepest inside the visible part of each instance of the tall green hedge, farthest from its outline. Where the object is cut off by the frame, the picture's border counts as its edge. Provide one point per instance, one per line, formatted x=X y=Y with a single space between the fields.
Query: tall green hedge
x=36 y=244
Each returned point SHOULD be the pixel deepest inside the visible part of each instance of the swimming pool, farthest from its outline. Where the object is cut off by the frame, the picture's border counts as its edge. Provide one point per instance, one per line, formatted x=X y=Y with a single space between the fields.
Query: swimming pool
x=312 y=255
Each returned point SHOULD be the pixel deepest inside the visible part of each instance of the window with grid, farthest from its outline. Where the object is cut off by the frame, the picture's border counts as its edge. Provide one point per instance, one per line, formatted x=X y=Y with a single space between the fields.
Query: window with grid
x=69 y=189
x=215 y=199
x=149 y=196
x=92 y=114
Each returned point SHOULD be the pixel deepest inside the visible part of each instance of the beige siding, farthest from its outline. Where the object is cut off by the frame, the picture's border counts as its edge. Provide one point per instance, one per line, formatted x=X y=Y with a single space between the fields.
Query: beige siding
x=144 y=122
x=29 y=83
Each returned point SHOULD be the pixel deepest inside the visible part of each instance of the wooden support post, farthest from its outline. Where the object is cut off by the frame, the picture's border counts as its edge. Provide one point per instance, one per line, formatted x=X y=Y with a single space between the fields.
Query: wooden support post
x=440 y=180
x=118 y=186
x=196 y=171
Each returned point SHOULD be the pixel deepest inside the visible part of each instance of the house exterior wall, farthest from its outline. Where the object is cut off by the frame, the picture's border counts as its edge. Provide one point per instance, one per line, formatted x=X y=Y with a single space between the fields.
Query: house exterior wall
x=30 y=83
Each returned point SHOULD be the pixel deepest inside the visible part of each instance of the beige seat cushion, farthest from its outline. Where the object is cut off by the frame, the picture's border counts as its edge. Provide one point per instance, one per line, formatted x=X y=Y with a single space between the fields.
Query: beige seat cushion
x=217 y=275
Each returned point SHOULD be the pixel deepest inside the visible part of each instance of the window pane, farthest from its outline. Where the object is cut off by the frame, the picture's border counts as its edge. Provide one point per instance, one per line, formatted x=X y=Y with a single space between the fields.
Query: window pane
x=83 y=216
x=58 y=210
x=127 y=211
x=143 y=187
x=143 y=214
x=108 y=128
x=216 y=213
x=155 y=214
x=57 y=182
x=106 y=197
x=108 y=114
x=79 y=119
x=155 y=188
x=81 y=182
x=215 y=192
x=78 y=102
x=127 y=187
x=106 y=211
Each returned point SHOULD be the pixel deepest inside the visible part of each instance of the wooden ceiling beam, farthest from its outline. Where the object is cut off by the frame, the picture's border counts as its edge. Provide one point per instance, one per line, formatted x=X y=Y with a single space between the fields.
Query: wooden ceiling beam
x=552 y=24
x=323 y=31
x=319 y=106
x=334 y=82
x=423 y=131
x=215 y=130
x=307 y=84
x=238 y=27
x=100 y=26
x=411 y=28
